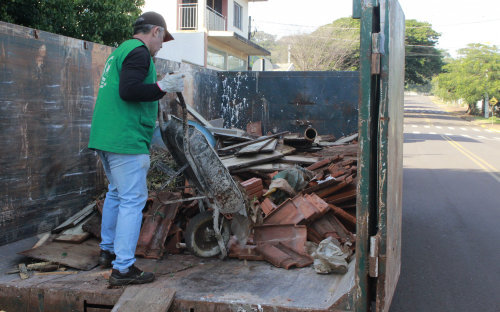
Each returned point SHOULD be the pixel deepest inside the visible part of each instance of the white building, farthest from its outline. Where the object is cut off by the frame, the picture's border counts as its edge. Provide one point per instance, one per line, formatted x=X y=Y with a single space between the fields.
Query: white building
x=209 y=33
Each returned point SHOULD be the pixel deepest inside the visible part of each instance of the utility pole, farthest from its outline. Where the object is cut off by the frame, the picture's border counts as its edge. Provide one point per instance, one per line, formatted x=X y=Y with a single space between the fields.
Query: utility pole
x=486 y=106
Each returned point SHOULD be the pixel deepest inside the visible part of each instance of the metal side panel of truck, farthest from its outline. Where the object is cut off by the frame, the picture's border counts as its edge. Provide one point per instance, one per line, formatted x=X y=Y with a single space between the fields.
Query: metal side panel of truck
x=48 y=86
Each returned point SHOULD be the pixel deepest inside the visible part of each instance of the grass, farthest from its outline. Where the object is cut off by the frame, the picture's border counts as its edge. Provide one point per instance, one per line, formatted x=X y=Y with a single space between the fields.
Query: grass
x=492 y=120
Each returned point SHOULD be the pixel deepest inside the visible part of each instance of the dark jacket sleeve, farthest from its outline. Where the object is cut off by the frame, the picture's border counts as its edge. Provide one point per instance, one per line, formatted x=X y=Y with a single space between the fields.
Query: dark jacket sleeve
x=135 y=68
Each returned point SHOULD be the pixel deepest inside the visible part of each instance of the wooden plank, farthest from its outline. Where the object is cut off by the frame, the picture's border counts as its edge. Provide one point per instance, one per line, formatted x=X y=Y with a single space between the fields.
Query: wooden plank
x=285 y=149
x=217 y=123
x=228 y=132
x=341 y=141
x=56 y=273
x=300 y=159
x=74 y=235
x=232 y=163
x=263 y=138
x=73 y=220
x=23 y=271
x=198 y=117
x=272 y=167
x=254 y=148
x=42 y=240
x=145 y=298
x=79 y=256
x=269 y=148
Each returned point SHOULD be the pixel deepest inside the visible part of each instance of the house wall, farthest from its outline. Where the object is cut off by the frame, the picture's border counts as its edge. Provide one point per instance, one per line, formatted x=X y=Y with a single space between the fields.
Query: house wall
x=228 y=49
x=187 y=46
x=244 y=23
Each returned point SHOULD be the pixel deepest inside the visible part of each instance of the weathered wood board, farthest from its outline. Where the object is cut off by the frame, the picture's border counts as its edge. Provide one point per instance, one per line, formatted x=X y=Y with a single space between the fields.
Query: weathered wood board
x=255 y=148
x=145 y=298
x=79 y=256
x=232 y=163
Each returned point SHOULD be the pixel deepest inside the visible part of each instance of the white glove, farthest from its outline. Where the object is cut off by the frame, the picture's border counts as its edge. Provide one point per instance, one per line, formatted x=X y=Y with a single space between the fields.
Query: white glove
x=172 y=83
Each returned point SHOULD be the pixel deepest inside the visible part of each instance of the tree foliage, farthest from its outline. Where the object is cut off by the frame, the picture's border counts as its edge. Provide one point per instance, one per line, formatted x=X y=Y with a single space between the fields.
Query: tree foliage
x=423 y=60
x=335 y=46
x=474 y=73
x=107 y=21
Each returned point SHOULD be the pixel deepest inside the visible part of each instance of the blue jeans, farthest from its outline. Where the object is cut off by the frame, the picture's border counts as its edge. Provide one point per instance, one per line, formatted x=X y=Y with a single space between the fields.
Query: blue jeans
x=122 y=211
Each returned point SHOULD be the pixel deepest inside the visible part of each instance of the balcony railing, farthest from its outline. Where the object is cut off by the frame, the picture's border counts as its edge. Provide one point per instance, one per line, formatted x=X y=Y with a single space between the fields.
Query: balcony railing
x=215 y=20
x=188 y=16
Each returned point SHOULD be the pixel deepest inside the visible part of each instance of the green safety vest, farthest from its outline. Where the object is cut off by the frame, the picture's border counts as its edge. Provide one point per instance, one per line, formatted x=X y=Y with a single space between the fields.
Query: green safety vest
x=119 y=126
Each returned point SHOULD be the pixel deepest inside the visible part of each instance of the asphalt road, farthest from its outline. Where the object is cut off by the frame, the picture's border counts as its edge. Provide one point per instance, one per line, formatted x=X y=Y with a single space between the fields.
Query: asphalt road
x=451 y=213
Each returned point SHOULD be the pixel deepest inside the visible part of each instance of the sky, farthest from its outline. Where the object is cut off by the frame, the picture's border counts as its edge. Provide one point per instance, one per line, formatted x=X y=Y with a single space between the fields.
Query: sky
x=460 y=22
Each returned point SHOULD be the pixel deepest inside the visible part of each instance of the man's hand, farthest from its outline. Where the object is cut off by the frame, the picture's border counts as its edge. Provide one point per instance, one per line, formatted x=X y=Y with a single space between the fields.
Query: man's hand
x=172 y=83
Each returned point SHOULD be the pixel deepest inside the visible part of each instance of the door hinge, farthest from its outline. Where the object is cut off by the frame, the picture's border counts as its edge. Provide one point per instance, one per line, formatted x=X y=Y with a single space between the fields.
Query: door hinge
x=377 y=51
x=373 y=257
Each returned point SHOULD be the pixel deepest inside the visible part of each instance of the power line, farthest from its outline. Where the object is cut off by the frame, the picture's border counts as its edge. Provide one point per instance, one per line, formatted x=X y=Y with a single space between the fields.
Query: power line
x=357 y=28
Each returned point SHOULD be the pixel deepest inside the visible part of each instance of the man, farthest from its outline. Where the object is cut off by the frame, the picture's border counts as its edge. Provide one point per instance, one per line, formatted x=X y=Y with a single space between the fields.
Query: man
x=124 y=118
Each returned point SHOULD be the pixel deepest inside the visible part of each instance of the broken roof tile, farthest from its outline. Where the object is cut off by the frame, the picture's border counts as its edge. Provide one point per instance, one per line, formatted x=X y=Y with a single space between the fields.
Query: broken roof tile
x=267 y=206
x=319 y=164
x=282 y=256
x=292 y=236
x=286 y=213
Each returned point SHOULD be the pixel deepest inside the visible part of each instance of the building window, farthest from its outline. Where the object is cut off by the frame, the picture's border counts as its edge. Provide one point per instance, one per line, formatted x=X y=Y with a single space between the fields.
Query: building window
x=235 y=63
x=238 y=10
x=216 y=58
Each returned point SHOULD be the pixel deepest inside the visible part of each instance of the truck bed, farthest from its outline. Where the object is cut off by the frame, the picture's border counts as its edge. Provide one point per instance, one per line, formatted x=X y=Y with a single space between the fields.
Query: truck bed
x=200 y=284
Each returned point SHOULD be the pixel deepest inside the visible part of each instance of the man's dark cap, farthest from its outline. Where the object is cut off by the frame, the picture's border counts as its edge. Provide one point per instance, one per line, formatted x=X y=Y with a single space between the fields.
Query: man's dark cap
x=153 y=18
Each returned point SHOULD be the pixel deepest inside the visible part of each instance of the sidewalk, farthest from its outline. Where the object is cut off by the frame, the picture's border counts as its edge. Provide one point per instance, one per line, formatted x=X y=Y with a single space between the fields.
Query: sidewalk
x=461 y=113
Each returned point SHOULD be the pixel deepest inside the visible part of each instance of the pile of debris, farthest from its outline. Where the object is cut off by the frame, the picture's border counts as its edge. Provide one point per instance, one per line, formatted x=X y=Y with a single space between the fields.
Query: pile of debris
x=304 y=211
x=301 y=190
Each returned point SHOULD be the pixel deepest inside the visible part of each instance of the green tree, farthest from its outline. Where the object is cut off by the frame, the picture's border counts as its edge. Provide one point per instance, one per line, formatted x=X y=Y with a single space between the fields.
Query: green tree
x=333 y=46
x=423 y=60
x=107 y=21
x=268 y=42
x=475 y=72
x=265 y=40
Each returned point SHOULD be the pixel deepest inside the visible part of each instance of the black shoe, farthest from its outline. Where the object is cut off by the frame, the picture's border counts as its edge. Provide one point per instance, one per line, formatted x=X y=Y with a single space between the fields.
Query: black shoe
x=105 y=258
x=133 y=276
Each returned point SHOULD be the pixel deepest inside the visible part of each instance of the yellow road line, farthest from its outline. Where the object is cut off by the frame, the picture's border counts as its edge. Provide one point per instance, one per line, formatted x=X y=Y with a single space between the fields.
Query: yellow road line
x=492 y=171
x=490 y=128
x=477 y=157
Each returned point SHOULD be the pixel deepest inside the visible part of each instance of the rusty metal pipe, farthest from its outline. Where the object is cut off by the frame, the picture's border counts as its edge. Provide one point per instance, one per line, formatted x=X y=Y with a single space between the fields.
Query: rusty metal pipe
x=310 y=134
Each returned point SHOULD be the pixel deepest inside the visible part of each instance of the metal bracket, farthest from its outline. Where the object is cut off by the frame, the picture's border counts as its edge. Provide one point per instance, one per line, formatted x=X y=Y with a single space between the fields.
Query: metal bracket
x=373 y=257
x=377 y=51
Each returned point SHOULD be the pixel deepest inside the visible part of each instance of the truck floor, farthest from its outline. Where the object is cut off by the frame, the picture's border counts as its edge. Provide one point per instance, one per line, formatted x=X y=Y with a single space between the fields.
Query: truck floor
x=200 y=284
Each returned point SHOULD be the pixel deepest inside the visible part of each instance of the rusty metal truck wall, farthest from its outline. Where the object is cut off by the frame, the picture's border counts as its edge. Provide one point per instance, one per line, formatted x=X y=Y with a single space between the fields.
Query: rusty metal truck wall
x=48 y=88
x=290 y=101
x=47 y=93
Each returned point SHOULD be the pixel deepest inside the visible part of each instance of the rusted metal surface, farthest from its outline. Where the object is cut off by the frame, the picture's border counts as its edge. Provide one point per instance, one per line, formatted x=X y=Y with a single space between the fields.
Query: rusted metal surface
x=47 y=93
x=294 y=101
x=380 y=155
x=367 y=155
x=390 y=163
